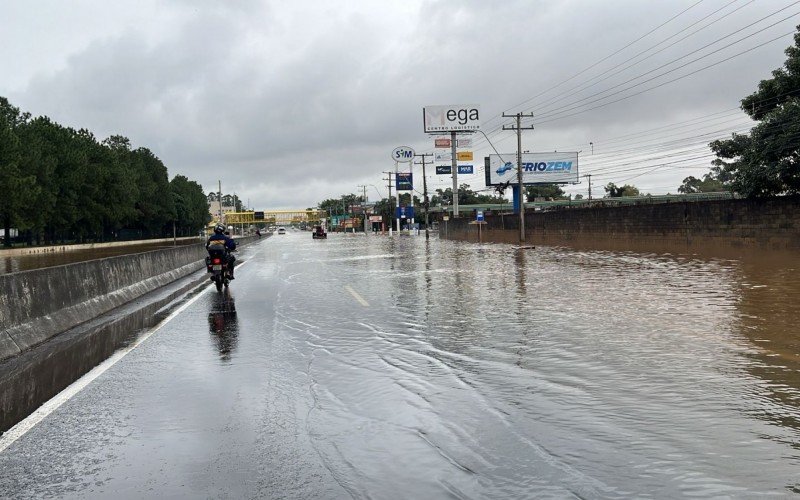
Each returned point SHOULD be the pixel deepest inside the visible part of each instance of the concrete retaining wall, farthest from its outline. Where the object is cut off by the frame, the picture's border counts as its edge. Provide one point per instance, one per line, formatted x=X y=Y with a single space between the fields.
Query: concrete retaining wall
x=7 y=252
x=37 y=305
x=769 y=224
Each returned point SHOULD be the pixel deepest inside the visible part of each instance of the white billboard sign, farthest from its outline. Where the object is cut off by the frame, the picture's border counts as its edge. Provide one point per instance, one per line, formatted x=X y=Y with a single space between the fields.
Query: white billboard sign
x=443 y=157
x=403 y=154
x=537 y=168
x=453 y=118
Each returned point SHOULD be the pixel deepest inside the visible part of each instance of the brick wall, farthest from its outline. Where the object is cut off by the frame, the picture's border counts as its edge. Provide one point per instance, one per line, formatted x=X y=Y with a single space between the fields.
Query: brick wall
x=724 y=224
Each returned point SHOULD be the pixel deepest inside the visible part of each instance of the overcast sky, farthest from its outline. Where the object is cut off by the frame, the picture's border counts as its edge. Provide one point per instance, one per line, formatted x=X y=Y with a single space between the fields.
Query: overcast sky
x=289 y=103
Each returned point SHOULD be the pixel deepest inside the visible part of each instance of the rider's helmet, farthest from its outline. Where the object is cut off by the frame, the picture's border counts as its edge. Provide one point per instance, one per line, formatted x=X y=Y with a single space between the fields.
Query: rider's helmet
x=219 y=229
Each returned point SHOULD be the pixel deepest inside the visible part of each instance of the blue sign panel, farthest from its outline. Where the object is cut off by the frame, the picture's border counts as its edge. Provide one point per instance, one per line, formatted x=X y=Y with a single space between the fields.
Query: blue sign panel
x=465 y=169
x=479 y=216
x=404 y=212
x=403 y=181
x=444 y=169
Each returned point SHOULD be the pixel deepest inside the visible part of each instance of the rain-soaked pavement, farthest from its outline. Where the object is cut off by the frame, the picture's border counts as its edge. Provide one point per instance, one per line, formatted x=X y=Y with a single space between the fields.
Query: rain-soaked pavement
x=377 y=367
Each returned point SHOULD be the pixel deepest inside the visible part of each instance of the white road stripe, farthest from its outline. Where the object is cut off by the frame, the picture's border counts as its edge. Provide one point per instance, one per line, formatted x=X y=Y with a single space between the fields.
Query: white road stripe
x=22 y=427
x=358 y=297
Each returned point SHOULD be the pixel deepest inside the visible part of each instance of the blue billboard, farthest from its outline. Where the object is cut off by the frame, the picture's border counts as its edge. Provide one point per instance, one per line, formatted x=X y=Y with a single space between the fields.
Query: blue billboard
x=465 y=169
x=444 y=169
x=403 y=181
x=404 y=212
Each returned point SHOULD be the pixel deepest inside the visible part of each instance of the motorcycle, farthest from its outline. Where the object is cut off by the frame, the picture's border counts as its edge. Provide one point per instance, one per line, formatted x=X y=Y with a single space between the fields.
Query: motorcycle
x=217 y=265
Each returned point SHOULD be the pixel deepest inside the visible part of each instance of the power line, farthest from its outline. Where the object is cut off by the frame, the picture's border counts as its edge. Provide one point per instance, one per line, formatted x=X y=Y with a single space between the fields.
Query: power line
x=586 y=85
x=571 y=106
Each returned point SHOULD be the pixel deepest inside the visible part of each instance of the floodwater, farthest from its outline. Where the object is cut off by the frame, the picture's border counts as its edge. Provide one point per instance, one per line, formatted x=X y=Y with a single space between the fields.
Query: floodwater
x=378 y=367
x=15 y=263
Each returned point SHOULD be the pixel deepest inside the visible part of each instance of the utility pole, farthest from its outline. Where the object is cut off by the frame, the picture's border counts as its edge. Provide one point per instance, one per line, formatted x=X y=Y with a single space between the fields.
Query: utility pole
x=425 y=203
x=389 y=180
x=590 y=187
x=519 y=128
x=364 y=205
x=454 y=163
x=219 y=194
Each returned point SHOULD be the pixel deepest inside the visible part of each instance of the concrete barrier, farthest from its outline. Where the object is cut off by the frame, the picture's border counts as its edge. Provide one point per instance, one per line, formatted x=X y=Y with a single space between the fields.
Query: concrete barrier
x=727 y=227
x=39 y=304
x=60 y=322
x=9 y=252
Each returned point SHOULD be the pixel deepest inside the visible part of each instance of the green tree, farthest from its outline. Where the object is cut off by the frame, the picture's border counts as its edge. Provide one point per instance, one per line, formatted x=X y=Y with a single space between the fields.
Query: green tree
x=154 y=211
x=614 y=191
x=384 y=208
x=767 y=161
x=191 y=207
x=712 y=182
x=19 y=189
x=546 y=191
x=341 y=205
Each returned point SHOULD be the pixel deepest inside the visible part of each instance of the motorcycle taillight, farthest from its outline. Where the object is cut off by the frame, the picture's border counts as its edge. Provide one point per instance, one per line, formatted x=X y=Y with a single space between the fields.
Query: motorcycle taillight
x=217 y=261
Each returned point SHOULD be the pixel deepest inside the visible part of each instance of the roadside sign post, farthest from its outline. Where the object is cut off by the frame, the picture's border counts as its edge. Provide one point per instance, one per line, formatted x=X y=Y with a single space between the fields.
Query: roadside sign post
x=479 y=221
x=401 y=154
x=462 y=118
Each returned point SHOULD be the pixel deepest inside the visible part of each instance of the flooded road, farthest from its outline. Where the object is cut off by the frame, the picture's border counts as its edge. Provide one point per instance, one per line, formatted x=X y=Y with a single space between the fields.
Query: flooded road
x=376 y=367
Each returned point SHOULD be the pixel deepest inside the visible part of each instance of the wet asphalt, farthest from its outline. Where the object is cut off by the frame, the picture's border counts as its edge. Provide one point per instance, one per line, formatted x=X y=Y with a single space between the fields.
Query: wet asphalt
x=377 y=367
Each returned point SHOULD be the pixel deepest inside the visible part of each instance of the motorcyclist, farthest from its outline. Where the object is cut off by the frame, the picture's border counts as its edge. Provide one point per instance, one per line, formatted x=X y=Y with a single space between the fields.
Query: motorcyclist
x=221 y=244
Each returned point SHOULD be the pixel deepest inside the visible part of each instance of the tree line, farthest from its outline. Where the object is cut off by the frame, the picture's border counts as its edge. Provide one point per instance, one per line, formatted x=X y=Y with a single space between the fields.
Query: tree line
x=60 y=185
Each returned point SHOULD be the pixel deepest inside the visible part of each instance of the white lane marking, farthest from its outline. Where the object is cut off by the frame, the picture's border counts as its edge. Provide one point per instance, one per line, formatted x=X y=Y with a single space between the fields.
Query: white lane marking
x=358 y=297
x=22 y=427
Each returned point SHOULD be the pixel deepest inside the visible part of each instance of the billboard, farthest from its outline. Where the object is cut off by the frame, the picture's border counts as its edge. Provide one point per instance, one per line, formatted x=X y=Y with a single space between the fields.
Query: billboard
x=464 y=156
x=444 y=142
x=452 y=118
x=465 y=169
x=403 y=181
x=403 y=154
x=537 y=168
x=443 y=157
x=444 y=169
x=404 y=212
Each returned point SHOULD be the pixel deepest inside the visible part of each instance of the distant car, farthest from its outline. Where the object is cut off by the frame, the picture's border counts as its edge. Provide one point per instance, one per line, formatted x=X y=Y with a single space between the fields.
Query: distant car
x=281 y=230
x=319 y=233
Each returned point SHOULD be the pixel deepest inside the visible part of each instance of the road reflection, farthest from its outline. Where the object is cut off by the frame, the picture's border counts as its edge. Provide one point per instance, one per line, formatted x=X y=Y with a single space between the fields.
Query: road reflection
x=769 y=309
x=222 y=324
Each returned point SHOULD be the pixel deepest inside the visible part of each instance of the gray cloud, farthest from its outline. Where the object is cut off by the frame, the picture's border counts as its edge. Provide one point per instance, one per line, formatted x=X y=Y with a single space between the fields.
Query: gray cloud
x=289 y=104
